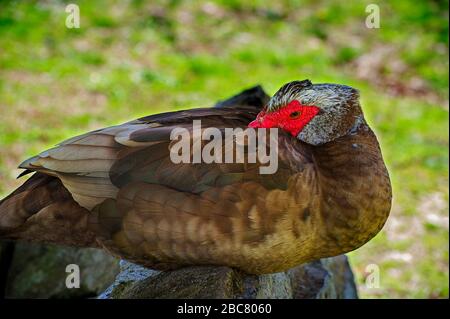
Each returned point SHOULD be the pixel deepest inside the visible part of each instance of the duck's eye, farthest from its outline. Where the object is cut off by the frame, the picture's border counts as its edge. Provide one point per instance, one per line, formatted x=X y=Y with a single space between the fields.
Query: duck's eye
x=295 y=115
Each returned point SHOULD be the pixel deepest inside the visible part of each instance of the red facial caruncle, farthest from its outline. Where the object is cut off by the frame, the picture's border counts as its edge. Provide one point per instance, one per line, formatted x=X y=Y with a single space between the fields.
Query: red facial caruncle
x=291 y=118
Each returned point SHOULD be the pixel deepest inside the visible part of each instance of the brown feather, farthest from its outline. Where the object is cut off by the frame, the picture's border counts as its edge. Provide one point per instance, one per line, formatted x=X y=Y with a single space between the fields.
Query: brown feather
x=117 y=187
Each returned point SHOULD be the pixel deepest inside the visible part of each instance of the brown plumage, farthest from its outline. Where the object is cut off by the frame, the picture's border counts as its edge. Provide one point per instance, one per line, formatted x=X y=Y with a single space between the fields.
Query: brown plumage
x=117 y=188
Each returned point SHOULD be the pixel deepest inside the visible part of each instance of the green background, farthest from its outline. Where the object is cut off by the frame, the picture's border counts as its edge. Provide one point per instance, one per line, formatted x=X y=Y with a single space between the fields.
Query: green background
x=133 y=58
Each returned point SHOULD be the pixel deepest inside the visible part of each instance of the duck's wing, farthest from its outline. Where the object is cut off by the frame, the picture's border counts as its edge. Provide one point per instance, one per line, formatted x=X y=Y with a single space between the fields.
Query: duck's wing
x=95 y=165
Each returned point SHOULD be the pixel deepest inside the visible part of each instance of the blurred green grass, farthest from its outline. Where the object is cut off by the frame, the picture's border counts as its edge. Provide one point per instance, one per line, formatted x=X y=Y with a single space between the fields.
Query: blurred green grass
x=133 y=58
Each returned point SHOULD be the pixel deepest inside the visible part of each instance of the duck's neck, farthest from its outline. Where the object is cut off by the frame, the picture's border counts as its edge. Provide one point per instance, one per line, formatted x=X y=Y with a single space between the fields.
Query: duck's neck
x=354 y=186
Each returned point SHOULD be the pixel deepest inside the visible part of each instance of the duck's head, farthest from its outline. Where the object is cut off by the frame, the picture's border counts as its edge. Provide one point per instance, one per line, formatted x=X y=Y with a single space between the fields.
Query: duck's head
x=314 y=113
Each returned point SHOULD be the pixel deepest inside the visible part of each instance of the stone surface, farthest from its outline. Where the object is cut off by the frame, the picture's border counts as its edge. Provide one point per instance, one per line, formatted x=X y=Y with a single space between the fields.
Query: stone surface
x=39 y=271
x=328 y=278
x=322 y=279
x=129 y=274
x=252 y=96
x=6 y=251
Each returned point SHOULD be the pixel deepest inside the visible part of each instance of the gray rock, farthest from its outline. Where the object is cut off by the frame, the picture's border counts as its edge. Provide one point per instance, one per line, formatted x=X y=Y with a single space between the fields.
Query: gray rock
x=6 y=252
x=39 y=271
x=328 y=278
x=254 y=96
x=129 y=273
x=323 y=279
x=343 y=279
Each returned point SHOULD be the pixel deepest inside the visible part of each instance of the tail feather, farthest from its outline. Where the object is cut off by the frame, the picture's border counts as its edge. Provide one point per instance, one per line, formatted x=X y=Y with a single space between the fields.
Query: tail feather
x=43 y=210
